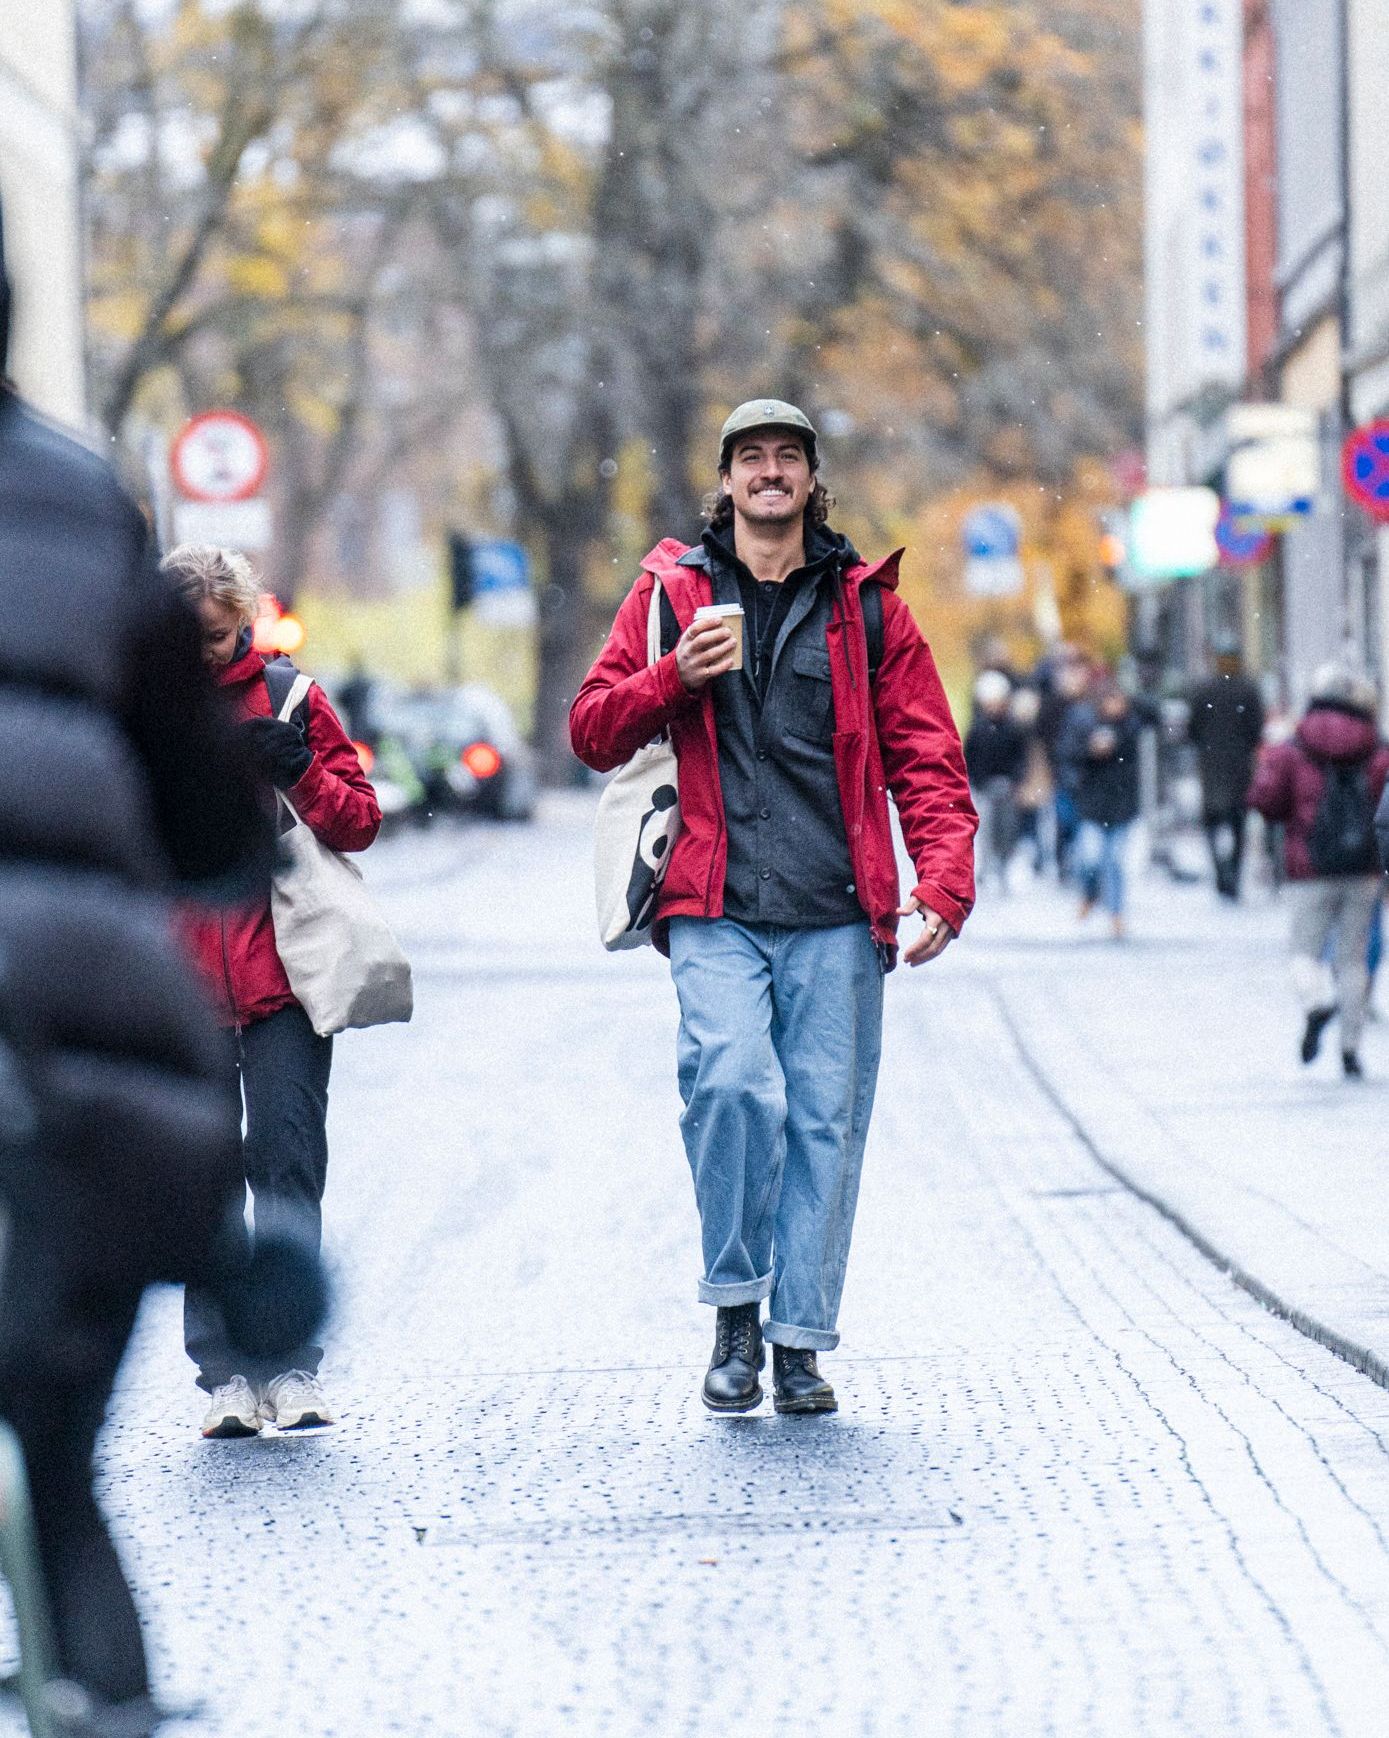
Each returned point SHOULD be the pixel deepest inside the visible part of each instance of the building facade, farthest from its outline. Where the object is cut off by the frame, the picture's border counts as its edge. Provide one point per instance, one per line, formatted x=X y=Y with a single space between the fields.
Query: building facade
x=1196 y=309
x=1367 y=350
x=39 y=164
x=1309 y=278
x=1313 y=209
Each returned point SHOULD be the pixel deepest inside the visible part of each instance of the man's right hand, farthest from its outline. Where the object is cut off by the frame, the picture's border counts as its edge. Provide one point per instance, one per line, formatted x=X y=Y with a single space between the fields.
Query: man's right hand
x=706 y=649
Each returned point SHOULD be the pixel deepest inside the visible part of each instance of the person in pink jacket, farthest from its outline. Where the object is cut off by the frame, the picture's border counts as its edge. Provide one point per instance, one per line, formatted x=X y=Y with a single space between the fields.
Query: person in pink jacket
x=1323 y=787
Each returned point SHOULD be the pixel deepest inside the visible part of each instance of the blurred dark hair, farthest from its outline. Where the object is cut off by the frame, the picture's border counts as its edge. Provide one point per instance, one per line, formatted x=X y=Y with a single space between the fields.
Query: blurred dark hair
x=717 y=510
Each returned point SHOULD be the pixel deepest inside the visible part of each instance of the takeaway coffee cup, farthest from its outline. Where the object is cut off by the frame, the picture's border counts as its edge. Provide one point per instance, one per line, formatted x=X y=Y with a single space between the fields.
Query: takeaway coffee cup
x=731 y=614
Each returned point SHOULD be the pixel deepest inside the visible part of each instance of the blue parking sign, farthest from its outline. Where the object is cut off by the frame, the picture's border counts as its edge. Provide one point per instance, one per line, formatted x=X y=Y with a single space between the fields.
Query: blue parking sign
x=500 y=566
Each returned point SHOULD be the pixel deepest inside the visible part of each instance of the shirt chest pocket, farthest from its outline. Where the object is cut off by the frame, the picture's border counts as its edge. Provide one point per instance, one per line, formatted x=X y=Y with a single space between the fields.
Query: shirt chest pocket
x=808 y=709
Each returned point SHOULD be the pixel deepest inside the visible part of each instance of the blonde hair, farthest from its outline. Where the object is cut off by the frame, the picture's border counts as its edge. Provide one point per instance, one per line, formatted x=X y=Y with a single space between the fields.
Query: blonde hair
x=202 y=570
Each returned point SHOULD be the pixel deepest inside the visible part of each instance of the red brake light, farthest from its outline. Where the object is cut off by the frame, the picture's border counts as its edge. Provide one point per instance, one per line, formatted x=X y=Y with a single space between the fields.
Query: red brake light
x=481 y=760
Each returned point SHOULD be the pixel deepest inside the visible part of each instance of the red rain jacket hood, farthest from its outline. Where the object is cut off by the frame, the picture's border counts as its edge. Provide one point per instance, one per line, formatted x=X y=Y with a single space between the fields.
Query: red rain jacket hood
x=899 y=736
x=235 y=950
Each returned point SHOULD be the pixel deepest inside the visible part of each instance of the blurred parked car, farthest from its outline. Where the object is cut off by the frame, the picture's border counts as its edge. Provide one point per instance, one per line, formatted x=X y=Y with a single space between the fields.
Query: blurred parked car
x=463 y=746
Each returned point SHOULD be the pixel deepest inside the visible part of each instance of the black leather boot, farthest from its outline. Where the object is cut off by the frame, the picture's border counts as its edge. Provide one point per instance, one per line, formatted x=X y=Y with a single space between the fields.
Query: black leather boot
x=732 y=1384
x=799 y=1386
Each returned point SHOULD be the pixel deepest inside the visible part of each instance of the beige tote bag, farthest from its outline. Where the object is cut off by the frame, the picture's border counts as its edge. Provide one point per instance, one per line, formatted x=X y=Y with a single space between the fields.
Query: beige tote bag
x=636 y=827
x=342 y=961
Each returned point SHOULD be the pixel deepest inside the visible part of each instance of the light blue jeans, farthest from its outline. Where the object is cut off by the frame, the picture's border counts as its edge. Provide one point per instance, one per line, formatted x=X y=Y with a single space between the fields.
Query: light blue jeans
x=1099 y=857
x=780 y=1034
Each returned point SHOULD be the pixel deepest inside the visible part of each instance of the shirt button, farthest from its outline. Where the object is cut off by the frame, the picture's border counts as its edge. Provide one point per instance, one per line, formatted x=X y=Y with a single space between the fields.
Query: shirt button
x=762 y=754
x=766 y=874
x=766 y=814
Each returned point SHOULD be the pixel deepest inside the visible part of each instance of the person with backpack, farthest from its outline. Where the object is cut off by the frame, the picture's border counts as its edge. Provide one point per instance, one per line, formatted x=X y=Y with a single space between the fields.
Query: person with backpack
x=793 y=707
x=1324 y=786
x=271 y=1050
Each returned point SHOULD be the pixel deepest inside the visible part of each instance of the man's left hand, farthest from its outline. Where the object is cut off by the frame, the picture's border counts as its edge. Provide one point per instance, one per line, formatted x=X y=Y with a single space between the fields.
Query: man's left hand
x=933 y=940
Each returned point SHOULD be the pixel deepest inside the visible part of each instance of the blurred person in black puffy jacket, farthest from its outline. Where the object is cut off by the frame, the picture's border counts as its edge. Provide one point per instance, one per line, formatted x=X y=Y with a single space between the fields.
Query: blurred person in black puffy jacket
x=119 y=1150
x=1226 y=728
x=996 y=760
x=1101 y=742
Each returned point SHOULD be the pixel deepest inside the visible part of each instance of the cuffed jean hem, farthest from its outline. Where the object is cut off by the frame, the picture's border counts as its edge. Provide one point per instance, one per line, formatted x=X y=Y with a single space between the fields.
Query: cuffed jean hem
x=802 y=1339
x=726 y=1296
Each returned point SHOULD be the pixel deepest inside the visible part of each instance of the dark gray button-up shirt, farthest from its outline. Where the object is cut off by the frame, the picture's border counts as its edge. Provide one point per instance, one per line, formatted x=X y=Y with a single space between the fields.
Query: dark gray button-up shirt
x=788 y=855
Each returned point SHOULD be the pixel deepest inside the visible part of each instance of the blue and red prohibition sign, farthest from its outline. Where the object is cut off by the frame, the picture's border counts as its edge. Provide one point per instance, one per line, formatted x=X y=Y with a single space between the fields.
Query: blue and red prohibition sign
x=1365 y=468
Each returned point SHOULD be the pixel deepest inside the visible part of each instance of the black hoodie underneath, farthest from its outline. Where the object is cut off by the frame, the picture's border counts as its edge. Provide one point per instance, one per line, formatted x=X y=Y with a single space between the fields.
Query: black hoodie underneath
x=788 y=854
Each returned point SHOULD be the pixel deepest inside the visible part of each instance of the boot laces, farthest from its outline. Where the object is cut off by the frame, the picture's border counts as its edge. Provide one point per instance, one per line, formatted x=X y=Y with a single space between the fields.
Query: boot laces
x=745 y=1335
x=736 y=1334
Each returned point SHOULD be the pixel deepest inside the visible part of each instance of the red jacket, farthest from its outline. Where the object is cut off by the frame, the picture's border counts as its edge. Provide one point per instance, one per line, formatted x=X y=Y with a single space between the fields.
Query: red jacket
x=1291 y=776
x=235 y=950
x=901 y=738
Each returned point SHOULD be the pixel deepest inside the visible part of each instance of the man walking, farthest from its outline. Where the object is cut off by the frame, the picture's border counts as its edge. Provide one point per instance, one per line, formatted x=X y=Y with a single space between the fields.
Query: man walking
x=1227 y=725
x=779 y=909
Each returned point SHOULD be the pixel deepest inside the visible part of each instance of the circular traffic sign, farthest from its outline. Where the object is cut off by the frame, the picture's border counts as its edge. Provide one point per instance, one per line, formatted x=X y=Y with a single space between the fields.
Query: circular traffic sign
x=219 y=456
x=1240 y=543
x=1365 y=468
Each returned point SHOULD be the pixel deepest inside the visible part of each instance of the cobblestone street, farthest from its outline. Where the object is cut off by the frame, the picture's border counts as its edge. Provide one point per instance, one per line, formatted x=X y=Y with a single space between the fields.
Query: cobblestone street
x=1081 y=1483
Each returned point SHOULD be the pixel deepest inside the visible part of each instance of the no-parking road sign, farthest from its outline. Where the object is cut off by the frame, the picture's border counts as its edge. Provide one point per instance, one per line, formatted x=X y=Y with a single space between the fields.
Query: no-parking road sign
x=219 y=456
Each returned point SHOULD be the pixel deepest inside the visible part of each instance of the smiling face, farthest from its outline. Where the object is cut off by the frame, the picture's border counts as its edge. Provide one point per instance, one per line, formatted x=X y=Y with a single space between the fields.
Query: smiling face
x=219 y=624
x=768 y=477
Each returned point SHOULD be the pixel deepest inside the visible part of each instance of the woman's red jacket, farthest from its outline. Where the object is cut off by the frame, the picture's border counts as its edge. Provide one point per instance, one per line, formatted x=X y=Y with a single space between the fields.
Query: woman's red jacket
x=899 y=736
x=235 y=949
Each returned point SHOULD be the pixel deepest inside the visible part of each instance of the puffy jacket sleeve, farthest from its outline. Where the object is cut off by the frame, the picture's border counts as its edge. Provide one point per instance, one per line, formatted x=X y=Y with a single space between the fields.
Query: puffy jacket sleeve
x=334 y=796
x=925 y=767
x=1272 y=790
x=624 y=701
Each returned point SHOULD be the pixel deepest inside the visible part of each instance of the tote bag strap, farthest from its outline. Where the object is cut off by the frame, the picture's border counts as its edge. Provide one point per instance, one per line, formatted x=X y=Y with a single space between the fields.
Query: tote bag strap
x=653 y=624
x=298 y=688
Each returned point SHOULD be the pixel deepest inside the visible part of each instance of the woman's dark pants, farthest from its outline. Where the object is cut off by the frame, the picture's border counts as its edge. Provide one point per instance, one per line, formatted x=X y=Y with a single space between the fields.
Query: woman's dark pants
x=282 y=1066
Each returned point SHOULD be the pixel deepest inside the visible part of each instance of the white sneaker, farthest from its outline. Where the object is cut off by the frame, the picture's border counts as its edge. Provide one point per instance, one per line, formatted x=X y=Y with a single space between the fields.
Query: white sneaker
x=233 y=1410
x=294 y=1401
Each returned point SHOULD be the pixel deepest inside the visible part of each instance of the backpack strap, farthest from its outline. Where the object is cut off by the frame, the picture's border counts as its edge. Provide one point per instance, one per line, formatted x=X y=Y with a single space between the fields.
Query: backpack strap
x=670 y=628
x=871 y=603
x=288 y=688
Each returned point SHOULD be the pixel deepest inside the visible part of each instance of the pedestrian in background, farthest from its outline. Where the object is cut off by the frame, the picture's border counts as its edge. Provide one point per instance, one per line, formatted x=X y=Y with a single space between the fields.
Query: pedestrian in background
x=118 y=1152
x=271 y=1051
x=1101 y=744
x=1324 y=786
x=1226 y=728
x=996 y=759
x=781 y=903
x=1034 y=794
x=1069 y=684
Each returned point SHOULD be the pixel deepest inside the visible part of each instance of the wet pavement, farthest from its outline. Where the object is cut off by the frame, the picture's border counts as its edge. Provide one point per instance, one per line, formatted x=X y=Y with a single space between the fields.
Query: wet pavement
x=1081 y=1483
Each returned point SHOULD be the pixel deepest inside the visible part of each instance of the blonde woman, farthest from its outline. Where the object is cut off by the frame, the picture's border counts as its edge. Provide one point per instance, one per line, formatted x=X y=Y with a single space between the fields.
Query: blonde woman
x=279 y=1063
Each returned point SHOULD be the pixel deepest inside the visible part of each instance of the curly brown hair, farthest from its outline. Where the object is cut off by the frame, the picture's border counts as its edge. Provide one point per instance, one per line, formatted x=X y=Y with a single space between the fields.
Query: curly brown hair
x=717 y=509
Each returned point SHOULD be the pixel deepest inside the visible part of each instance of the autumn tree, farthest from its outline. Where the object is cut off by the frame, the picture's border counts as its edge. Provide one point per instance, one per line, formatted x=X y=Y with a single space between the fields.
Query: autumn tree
x=587 y=229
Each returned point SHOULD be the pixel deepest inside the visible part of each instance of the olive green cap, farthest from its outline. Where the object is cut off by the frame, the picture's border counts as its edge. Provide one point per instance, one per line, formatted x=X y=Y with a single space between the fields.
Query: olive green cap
x=768 y=413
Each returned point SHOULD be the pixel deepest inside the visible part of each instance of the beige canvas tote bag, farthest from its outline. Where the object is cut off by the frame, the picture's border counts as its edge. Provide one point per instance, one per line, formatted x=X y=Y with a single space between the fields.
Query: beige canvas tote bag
x=343 y=963
x=636 y=828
